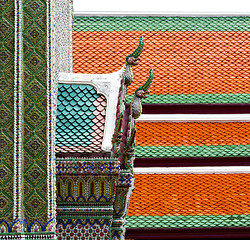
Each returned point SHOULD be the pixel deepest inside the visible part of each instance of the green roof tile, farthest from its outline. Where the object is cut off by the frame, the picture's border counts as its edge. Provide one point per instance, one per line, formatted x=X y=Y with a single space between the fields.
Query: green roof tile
x=194 y=98
x=192 y=151
x=75 y=116
x=188 y=221
x=97 y=23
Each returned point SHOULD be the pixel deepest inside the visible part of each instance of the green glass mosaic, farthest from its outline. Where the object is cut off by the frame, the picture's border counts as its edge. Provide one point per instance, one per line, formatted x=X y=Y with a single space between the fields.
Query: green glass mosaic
x=7 y=38
x=161 y=24
x=188 y=221
x=195 y=98
x=192 y=151
x=35 y=116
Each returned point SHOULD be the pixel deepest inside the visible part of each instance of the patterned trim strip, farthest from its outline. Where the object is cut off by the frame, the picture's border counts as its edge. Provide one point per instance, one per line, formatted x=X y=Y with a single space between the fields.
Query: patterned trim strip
x=50 y=150
x=161 y=24
x=27 y=236
x=100 y=166
x=188 y=221
x=192 y=151
x=18 y=112
x=195 y=98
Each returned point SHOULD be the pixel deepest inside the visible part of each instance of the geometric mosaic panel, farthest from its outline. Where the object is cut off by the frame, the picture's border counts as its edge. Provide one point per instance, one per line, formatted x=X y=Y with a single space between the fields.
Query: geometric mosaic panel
x=82 y=231
x=26 y=152
x=35 y=120
x=6 y=110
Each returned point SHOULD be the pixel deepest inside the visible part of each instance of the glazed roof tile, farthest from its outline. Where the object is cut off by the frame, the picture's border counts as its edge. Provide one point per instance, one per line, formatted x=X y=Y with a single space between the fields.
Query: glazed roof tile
x=113 y=23
x=205 y=64
x=203 y=221
x=192 y=139
x=189 y=200
x=190 y=194
x=192 y=133
x=80 y=119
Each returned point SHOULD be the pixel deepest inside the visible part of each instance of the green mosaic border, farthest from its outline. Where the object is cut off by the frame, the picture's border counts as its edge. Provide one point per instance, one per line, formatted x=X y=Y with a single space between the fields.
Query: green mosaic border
x=188 y=221
x=116 y=23
x=34 y=112
x=195 y=98
x=7 y=125
x=192 y=151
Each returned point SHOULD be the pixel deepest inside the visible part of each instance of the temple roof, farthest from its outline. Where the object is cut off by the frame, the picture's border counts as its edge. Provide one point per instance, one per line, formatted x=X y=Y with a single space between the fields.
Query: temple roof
x=189 y=201
x=195 y=59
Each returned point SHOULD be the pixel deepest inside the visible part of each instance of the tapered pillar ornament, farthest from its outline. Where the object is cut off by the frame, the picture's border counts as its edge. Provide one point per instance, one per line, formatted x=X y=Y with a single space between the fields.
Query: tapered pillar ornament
x=35 y=47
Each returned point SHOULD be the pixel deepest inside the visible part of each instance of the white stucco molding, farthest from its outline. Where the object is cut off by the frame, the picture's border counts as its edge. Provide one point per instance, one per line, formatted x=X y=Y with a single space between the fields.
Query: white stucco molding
x=107 y=85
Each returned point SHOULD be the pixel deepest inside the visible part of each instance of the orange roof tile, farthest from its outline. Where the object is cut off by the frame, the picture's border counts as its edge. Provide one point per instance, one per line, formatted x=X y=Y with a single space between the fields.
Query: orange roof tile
x=190 y=194
x=192 y=134
x=184 y=62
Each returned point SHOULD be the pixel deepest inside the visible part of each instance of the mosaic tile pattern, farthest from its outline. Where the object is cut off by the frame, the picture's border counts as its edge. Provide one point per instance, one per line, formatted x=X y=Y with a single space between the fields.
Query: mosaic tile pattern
x=83 y=230
x=35 y=115
x=80 y=119
x=62 y=48
x=27 y=201
x=7 y=52
x=98 y=166
x=36 y=236
x=61 y=61
x=73 y=189
x=189 y=200
x=196 y=60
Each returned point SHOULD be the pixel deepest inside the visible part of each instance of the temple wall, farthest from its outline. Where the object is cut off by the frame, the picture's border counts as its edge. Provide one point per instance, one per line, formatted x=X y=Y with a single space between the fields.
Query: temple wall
x=36 y=46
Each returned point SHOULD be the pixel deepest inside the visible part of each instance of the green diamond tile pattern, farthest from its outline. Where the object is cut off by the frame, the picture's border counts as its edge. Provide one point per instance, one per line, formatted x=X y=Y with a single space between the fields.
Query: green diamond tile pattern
x=35 y=204
x=80 y=119
x=192 y=151
x=35 y=146
x=188 y=221
x=161 y=24
x=7 y=38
